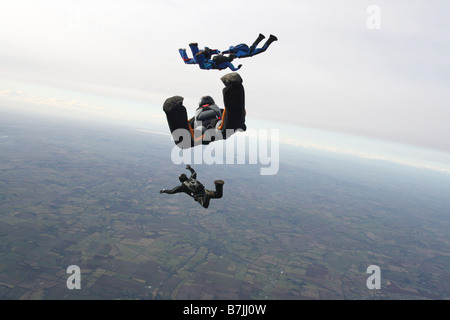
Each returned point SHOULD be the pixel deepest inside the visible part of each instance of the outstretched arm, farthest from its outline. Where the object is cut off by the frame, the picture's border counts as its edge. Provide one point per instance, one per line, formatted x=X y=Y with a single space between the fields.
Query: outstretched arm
x=230 y=65
x=193 y=173
x=174 y=190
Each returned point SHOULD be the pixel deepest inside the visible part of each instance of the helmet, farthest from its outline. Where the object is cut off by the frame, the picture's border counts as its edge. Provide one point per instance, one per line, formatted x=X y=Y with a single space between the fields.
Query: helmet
x=182 y=177
x=206 y=100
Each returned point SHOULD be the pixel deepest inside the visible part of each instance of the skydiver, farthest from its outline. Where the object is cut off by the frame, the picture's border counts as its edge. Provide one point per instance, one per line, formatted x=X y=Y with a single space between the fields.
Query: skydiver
x=242 y=50
x=208 y=53
x=185 y=131
x=195 y=189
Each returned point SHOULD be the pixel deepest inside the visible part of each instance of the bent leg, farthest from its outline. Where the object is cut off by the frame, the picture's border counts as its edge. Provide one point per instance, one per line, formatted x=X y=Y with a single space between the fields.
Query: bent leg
x=266 y=45
x=205 y=203
x=219 y=190
x=177 y=119
x=185 y=57
x=200 y=58
x=194 y=50
x=203 y=200
x=255 y=44
x=234 y=100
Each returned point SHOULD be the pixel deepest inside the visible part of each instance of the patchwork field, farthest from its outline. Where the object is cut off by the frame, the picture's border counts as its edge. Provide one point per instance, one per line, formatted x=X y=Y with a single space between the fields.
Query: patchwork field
x=75 y=195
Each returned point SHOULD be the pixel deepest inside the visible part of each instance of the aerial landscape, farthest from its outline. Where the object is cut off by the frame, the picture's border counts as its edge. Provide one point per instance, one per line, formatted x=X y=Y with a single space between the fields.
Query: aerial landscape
x=85 y=194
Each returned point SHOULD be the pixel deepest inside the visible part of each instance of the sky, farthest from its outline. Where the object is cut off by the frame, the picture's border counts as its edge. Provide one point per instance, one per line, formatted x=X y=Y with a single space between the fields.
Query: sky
x=377 y=68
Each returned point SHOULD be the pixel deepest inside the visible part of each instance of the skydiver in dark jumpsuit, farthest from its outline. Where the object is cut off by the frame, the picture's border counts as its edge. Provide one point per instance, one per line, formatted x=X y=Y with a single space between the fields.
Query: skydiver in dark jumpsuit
x=242 y=50
x=196 y=189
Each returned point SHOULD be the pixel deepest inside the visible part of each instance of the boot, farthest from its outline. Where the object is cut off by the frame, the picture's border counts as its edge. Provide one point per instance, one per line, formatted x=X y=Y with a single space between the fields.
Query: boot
x=271 y=39
x=230 y=78
x=257 y=41
x=219 y=188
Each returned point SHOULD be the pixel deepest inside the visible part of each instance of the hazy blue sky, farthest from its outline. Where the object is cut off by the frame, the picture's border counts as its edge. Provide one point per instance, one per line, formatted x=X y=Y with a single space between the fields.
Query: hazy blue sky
x=378 y=68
